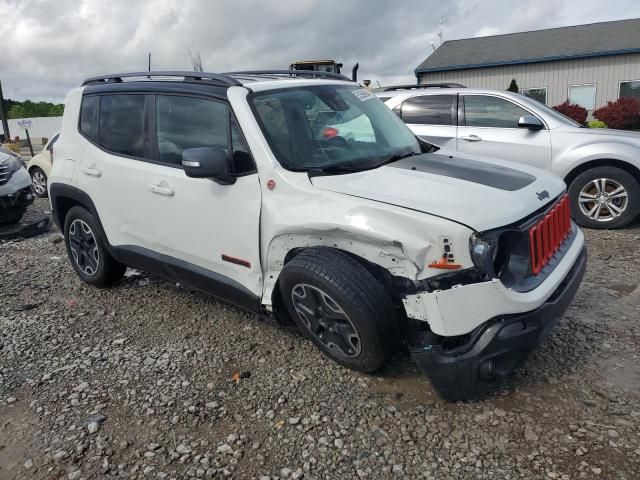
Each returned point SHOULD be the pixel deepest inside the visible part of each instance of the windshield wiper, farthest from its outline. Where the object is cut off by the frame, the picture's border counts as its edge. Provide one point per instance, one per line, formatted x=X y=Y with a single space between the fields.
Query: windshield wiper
x=396 y=157
x=358 y=166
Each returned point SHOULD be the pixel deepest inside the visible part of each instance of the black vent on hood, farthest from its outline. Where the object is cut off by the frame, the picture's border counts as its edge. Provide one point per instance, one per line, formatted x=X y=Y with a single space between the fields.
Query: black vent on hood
x=476 y=171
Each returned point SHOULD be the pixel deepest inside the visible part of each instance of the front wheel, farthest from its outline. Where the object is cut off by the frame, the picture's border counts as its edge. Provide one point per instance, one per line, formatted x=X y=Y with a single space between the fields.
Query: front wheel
x=604 y=197
x=39 y=182
x=340 y=306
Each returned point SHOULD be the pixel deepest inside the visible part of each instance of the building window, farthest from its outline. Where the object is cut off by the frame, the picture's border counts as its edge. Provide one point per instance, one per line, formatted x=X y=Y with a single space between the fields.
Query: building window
x=583 y=95
x=536 y=93
x=630 y=89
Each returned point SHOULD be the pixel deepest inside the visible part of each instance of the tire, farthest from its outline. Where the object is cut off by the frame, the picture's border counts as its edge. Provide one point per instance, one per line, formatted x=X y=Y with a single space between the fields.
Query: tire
x=39 y=182
x=613 y=212
x=86 y=248
x=358 y=315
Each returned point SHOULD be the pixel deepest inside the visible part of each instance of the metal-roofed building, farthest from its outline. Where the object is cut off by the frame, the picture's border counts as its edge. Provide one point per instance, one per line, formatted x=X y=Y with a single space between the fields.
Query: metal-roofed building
x=586 y=64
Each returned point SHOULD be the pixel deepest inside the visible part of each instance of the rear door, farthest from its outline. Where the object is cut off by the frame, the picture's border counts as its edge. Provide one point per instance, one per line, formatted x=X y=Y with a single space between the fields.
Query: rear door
x=205 y=225
x=432 y=118
x=488 y=126
x=114 y=168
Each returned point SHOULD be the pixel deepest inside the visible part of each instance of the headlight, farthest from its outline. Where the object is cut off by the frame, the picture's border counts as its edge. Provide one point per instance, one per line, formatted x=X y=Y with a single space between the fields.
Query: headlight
x=14 y=165
x=484 y=253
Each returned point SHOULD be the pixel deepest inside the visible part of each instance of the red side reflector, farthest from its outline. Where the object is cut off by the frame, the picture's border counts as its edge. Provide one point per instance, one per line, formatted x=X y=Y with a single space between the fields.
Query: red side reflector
x=548 y=235
x=237 y=261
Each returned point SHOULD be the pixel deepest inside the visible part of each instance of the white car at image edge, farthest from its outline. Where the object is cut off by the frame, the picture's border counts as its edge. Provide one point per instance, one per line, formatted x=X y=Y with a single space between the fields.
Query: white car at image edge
x=301 y=196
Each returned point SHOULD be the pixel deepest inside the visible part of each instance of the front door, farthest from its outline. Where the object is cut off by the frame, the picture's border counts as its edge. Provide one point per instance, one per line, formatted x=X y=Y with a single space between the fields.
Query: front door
x=200 y=223
x=489 y=128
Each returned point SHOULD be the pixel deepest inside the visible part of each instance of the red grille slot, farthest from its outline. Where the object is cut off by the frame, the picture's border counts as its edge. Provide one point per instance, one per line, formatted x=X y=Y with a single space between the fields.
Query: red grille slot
x=548 y=235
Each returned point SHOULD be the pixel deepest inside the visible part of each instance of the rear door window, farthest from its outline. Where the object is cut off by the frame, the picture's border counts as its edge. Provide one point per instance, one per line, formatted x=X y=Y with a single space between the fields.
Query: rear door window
x=429 y=110
x=122 y=124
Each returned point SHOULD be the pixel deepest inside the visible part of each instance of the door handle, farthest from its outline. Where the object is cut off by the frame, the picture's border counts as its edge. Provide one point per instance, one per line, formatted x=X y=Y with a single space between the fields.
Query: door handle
x=162 y=190
x=471 y=138
x=91 y=171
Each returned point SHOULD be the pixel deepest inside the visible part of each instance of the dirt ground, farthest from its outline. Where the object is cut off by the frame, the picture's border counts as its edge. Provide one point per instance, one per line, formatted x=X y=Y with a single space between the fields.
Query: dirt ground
x=135 y=382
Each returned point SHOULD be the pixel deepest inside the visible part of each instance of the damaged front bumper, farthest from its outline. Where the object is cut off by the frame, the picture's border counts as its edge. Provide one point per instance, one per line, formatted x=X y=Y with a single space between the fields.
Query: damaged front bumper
x=493 y=350
x=15 y=196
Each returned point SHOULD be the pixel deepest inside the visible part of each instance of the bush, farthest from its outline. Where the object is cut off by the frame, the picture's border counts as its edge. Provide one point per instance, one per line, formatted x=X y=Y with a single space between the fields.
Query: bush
x=596 y=124
x=623 y=113
x=573 y=111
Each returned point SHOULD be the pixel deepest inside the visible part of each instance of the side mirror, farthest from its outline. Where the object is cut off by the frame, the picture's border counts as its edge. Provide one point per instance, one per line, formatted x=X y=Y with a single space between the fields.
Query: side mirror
x=208 y=162
x=530 y=122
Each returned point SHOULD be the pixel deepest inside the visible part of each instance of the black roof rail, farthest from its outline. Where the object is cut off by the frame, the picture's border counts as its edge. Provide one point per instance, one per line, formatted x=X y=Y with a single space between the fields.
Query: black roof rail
x=291 y=73
x=422 y=85
x=215 y=78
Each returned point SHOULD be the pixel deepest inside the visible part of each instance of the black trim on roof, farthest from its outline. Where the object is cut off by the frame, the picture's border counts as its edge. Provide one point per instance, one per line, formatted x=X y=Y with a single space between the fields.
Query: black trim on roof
x=215 y=78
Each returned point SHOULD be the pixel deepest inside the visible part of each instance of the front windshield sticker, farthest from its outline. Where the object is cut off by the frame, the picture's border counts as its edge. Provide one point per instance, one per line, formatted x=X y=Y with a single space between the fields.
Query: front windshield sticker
x=363 y=94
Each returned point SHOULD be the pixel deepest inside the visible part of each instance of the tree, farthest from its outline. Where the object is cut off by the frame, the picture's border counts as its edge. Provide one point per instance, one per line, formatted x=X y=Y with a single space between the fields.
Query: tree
x=196 y=60
x=513 y=86
x=29 y=109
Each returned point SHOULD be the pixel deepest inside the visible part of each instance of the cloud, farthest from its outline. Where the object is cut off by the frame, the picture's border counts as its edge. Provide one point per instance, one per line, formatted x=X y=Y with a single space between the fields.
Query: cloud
x=50 y=46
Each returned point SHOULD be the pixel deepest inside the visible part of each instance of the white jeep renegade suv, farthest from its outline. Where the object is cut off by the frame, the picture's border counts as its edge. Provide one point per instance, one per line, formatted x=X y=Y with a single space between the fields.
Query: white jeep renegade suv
x=299 y=195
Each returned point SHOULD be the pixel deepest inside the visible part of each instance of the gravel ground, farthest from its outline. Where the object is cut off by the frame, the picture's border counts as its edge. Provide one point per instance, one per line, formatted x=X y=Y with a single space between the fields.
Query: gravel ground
x=136 y=382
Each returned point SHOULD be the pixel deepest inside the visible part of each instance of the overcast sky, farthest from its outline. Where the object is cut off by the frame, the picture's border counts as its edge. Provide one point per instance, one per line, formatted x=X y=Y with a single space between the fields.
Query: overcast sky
x=49 y=46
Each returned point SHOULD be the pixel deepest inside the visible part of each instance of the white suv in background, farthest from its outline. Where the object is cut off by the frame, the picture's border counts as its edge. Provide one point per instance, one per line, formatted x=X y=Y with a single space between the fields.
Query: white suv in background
x=299 y=195
x=600 y=166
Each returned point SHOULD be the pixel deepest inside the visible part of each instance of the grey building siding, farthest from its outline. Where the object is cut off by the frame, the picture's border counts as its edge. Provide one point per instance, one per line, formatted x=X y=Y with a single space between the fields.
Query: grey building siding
x=605 y=72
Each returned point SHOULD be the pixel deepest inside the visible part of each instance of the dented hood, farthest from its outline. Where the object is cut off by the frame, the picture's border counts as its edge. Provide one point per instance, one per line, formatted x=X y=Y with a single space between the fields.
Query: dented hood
x=480 y=193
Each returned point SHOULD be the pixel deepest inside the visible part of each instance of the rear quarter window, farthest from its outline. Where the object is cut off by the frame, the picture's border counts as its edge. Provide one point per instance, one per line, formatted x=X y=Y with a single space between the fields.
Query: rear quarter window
x=87 y=110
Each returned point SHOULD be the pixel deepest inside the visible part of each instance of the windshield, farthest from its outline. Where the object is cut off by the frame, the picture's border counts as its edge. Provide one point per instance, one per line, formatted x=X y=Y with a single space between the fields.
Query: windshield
x=331 y=127
x=550 y=111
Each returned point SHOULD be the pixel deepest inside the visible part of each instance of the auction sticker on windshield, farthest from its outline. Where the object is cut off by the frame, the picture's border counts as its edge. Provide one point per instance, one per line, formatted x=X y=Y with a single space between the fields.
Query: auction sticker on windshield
x=363 y=94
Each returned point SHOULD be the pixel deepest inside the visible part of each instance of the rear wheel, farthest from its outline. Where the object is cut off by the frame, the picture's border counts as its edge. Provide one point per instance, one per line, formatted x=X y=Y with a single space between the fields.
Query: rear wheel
x=340 y=306
x=87 y=251
x=604 y=197
x=39 y=182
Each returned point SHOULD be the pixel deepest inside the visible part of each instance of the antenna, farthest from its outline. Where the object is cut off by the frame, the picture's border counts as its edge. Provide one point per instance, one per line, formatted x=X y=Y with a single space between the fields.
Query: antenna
x=441 y=35
x=433 y=45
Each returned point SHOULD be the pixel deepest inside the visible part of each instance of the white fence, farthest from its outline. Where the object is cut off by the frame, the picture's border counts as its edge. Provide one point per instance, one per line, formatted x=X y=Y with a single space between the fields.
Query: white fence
x=38 y=127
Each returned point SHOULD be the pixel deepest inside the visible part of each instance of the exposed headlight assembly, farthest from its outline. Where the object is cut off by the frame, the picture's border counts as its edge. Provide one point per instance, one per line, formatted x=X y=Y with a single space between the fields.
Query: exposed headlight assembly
x=484 y=253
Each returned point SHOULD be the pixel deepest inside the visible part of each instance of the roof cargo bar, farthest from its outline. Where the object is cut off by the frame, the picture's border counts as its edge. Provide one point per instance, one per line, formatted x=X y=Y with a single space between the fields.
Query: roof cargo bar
x=189 y=76
x=422 y=85
x=290 y=73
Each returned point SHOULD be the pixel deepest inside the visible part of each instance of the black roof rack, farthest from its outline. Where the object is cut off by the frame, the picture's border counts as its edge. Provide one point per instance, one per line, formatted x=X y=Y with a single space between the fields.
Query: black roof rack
x=422 y=85
x=290 y=73
x=189 y=76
